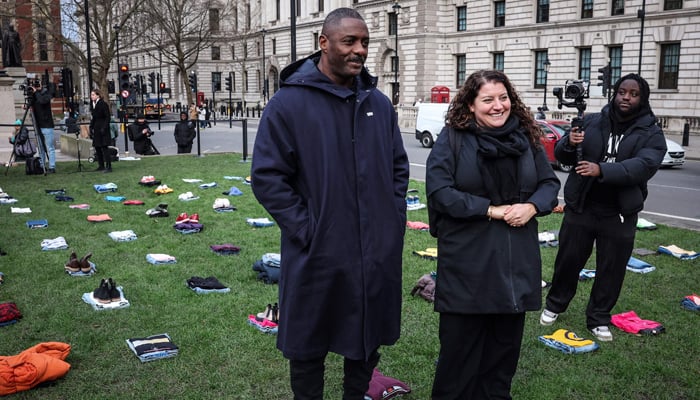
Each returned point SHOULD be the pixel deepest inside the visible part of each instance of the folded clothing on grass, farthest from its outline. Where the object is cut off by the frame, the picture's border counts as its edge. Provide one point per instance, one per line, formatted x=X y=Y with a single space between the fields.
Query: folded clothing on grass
x=153 y=347
x=639 y=266
x=568 y=342
x=677 y=252
x=37 y=224
x=631 y=323
x=691 y=302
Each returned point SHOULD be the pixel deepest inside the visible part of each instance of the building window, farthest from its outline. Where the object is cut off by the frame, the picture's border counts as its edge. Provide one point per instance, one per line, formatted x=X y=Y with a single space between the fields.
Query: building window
x=618 y=7
x=461 y=70
x=245 y=50
x=673 y=4
x=233 y=52
x=315 y=40
x=394 y=63
x=258 y=81
x=668 y=70
x=615 y=55
x=320 y=5
x=277 y=10
x=540 y=73
x=257 y=48
x=587 y=9
x=498 y=61
x=393 y=23
x=298 y=7
x=274 y=45
x=234 y=18
x=542 y=11
x=461 y=18
x=245 y=81
x=213 y=20
x=499 y=14
x=584 y=64
x=215 y=53
x=42 y=40
x=216 y=81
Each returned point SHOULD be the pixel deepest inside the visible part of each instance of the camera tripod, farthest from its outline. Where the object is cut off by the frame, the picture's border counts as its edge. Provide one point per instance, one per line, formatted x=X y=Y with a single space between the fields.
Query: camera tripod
x=41 y=148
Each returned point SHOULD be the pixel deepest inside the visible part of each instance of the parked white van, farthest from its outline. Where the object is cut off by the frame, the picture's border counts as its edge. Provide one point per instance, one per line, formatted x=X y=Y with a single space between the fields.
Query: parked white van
x=429 y=122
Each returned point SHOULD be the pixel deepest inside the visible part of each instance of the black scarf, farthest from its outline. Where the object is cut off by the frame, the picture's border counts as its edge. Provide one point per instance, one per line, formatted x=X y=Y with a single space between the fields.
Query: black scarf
x=499 y=150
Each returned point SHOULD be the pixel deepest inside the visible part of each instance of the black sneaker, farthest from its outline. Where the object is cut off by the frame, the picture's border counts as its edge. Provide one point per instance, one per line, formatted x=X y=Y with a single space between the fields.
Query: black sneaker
x=52 y=170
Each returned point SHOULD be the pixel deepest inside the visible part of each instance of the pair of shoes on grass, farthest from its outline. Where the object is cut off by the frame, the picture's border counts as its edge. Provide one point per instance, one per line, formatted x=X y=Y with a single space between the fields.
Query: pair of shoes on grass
x=183 y=218
x=161 y=210
x=79 y=265
x=107 y=292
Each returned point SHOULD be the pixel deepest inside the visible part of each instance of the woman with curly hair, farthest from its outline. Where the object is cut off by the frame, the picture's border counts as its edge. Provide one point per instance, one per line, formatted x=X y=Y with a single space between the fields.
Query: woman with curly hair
x=487 y=179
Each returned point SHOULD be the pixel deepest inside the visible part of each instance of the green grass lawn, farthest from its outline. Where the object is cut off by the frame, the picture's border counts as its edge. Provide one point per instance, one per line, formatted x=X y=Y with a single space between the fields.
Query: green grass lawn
x=221 y=357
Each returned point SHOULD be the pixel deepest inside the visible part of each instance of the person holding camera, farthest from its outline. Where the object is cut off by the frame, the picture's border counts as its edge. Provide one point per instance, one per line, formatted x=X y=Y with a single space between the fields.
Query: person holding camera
x=615 y=153
x=140 y=133
x=184 y=134
x=41 y=104
x=99 y=131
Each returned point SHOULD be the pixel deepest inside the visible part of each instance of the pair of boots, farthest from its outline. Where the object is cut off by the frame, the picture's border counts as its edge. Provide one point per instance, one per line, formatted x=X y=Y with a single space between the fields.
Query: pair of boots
x=79 y=265
x=107 y=292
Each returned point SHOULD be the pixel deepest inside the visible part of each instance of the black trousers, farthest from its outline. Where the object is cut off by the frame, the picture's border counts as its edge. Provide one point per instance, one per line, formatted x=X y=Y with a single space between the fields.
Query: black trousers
x=184 y=148
x=478 y=356
x=306 y=377
x=104 y=158
x=614 y=239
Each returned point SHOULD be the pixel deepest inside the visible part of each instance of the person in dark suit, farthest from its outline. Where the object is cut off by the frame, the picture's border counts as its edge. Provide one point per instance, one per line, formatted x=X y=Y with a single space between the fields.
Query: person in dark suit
x=99 y=131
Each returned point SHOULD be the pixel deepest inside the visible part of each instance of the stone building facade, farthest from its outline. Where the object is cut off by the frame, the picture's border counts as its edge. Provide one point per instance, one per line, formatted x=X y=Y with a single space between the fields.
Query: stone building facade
x=539 y=44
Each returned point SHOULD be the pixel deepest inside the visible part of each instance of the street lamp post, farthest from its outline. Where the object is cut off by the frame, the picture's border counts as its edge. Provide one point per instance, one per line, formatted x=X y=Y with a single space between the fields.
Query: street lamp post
x=263 y=31
x=397 y=8
x=120 y=113
x=546 y=77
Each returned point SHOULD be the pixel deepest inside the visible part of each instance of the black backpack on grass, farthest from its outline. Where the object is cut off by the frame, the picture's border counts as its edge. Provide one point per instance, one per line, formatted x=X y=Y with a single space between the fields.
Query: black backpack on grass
x=33 y=166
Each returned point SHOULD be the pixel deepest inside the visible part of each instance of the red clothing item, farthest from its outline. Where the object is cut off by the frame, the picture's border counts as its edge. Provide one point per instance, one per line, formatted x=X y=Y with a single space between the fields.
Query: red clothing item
x=38 y=364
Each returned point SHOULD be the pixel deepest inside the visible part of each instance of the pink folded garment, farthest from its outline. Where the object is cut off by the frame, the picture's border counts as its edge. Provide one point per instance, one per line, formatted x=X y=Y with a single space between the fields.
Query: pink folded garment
x=631 y=323
x=99 y=218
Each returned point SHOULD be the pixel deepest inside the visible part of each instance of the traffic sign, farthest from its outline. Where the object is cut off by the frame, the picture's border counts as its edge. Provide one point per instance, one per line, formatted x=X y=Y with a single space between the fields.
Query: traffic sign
x=125 y=94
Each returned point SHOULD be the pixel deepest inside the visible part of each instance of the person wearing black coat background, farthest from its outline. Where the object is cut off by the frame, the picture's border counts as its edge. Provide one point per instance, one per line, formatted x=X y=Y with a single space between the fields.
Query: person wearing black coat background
x=621 y=149
x=99 y=131
x=140 y=133
x=484 y=191
x=184 y=134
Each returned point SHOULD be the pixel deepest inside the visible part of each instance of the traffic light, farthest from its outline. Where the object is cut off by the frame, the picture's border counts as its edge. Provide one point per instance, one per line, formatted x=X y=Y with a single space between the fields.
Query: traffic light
x=110 y=86
x=227 y=80
x=124 y=79
x=604 y=78
x=193 y=81
x=152 y=81
x=162 y=86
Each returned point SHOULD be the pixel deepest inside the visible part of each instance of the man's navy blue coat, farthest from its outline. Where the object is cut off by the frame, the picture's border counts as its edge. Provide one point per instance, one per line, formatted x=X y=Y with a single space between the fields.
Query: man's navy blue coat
x=330 y=167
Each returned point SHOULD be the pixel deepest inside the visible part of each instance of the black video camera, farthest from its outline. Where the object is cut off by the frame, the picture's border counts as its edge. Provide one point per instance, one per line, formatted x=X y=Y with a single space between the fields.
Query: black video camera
x=30 y=86
x=577 y=90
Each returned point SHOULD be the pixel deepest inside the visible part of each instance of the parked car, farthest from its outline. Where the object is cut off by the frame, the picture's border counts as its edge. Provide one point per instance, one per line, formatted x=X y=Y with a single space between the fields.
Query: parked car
x=553 y=130
x=430 y=120
x=675 y=155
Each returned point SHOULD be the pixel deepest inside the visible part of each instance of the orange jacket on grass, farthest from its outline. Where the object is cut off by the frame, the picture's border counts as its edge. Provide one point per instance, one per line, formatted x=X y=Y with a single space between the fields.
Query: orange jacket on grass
x=38 y=364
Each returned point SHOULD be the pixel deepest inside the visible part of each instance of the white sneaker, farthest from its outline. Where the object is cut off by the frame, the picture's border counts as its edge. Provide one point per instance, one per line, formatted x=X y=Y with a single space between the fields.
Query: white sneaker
x=547 y=317
x=602 y=333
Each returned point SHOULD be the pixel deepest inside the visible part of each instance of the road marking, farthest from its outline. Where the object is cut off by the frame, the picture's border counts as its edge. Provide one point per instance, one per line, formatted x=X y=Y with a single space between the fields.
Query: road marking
x=675 y=187
x=671 y=216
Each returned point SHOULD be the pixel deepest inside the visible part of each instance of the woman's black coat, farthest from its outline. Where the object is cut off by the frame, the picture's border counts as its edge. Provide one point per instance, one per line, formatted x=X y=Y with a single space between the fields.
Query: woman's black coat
x=485 y=266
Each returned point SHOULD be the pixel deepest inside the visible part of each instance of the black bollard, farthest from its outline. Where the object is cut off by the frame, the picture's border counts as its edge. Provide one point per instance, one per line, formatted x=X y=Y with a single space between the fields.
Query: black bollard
x=244 y=121
x=686 y=134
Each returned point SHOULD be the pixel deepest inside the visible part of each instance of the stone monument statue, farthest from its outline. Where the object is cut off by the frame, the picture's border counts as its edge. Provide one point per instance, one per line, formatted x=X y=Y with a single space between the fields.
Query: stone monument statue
x=11 y=48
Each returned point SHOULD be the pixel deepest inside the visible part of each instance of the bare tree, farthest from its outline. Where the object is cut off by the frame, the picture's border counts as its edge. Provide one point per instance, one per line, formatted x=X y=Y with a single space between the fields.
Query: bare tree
x=103 y=16
x=181 y=29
